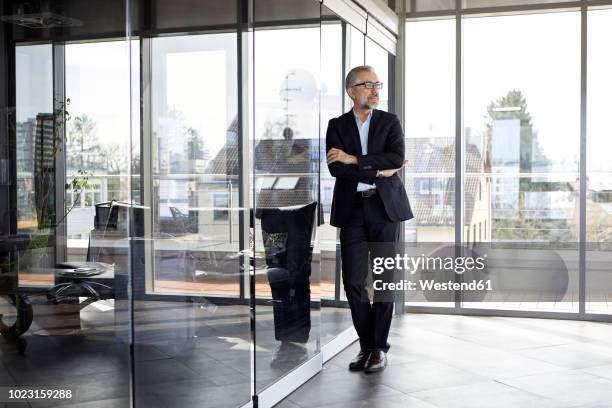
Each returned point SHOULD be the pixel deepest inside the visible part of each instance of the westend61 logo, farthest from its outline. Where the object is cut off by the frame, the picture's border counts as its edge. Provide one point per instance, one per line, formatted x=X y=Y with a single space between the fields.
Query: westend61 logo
x=412 y=264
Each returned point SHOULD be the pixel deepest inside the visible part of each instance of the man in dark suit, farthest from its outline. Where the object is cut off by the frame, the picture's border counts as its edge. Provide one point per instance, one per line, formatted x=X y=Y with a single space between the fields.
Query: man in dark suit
x=365 y=150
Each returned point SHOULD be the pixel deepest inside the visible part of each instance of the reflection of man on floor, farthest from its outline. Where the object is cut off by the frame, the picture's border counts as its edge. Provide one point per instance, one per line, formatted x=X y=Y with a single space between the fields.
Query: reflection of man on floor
x=365 y=150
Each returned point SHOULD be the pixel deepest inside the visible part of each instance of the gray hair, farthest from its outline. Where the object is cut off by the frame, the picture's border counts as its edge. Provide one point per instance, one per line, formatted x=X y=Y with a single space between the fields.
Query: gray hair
x=351 y=77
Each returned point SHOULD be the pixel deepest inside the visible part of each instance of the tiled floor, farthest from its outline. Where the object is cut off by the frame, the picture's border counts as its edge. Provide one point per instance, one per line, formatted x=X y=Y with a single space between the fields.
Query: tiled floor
x=472 y=362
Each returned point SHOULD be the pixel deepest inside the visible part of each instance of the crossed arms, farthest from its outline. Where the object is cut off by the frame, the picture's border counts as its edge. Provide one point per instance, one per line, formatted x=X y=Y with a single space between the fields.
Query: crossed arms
x=365 y=168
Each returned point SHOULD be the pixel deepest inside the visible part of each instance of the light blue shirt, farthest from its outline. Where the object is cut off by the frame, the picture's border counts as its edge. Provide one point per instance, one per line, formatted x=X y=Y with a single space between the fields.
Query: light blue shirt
x=364 y=129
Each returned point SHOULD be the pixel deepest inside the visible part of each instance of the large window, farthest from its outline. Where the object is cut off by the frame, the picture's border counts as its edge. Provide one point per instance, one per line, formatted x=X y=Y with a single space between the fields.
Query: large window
x=430 y=130
x=522 y=131
x=97 y=132
x=36 y=152
x=520 y=147
x=34 y=103
x=430 y=138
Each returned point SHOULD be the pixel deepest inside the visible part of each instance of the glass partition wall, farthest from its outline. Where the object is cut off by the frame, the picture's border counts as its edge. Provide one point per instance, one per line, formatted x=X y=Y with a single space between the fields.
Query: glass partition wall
x=335 y=316
x=285 y=186
x=65 y=261
x=166 y=197
x=191 y=318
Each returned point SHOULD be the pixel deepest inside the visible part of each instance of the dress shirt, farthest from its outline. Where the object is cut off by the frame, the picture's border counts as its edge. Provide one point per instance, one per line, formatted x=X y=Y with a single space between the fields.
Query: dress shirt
x=364 y=128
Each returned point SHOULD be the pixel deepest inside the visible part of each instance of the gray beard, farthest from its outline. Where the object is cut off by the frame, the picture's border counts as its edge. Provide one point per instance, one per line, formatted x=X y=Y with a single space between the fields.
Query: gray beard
x=368 y=105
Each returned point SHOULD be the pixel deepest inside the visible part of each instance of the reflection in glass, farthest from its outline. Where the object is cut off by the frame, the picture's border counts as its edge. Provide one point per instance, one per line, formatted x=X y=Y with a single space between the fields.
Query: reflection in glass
x=36 y=147
x=34 y=97
x=189 y=291
x=97 y=132
x=286 y=167
x=334 y=318
x=58 y=305
x=194 y=155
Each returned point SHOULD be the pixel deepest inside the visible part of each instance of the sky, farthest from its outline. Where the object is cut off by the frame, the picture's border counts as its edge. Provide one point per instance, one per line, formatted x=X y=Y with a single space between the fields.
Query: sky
x=538 y=54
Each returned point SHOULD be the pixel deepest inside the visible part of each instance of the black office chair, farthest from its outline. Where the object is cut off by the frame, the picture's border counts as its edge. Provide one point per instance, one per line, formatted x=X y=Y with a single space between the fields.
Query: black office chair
x=92 y=279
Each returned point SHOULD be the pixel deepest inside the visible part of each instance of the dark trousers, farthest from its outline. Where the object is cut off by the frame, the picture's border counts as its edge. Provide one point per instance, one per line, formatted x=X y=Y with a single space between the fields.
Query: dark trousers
x=368 y=223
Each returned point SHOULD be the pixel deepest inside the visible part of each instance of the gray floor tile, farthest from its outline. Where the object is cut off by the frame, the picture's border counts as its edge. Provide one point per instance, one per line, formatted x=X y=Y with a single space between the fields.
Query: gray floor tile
x=576 y=355
x=485 y=395
x=569 y=387
x=423 y=375
x=353 y=387
x=162 y=371
x=396 y=401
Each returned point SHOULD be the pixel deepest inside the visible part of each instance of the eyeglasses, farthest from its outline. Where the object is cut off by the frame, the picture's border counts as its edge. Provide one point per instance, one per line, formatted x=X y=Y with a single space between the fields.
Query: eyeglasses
x=370 y=85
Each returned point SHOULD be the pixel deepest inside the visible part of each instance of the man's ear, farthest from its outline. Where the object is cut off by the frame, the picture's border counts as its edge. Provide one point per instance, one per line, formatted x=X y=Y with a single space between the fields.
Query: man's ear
x=350 y=91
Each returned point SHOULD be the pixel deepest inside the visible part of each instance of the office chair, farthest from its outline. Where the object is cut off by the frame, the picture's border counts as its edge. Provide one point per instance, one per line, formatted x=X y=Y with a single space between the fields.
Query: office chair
x=92 y=278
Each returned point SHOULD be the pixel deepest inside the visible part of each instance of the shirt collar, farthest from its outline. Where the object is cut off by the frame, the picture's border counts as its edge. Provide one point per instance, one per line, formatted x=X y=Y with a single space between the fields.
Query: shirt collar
x=359 y=120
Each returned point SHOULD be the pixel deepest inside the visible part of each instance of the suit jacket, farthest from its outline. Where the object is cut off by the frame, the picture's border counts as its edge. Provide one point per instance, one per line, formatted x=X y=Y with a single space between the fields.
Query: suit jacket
x=385 y=151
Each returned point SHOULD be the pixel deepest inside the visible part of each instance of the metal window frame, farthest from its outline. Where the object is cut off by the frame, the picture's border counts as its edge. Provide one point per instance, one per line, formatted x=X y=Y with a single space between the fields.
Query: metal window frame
x=583 y=6
x=381 y=36
x=348 y=12
x=381 y=12
x=59 y=100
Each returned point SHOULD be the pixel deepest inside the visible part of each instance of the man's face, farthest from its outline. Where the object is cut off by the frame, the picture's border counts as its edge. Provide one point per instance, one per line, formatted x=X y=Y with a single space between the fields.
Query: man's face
x=362 y=97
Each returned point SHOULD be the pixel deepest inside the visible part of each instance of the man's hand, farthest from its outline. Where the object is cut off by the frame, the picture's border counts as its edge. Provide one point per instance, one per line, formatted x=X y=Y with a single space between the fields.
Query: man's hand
x=337 y=155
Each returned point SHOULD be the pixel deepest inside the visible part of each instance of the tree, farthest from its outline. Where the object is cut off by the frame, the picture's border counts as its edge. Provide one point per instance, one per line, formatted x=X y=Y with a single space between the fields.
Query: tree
x=530 y=151
x=115 y=159
x=196 y=148
x=513 y=105
x=83 y=149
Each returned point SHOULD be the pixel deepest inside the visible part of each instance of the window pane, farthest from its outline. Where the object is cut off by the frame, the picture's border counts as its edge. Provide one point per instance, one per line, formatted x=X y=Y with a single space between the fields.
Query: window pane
x=522 y=129
x=430 y=135
x=355 y=54
x=378 y=57
x=98 y=128
x=434 y=5
x=286 y=147
x=195 y=152
x=34 y=103
x=599 y=166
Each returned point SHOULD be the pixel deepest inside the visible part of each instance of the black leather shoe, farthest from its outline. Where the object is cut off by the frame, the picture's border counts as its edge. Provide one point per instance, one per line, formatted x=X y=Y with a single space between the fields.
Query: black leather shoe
x=359 y=361
x=376 y=362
